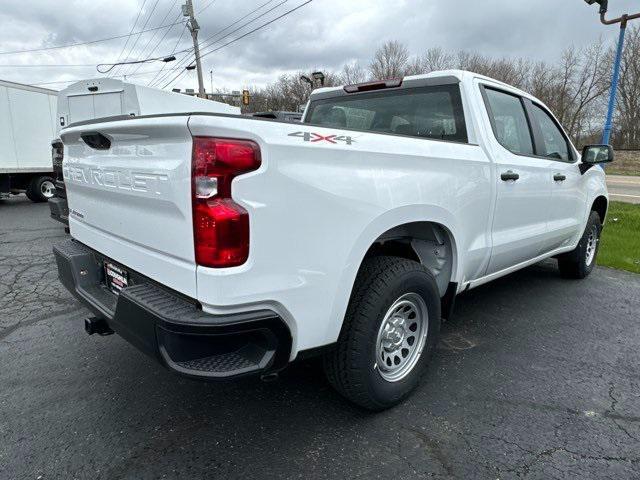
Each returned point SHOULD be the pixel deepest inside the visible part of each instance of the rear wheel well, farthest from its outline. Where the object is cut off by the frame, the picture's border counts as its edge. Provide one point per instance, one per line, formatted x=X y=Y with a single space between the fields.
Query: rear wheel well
x=393 y=248
x=600 y=206
x=428 y=243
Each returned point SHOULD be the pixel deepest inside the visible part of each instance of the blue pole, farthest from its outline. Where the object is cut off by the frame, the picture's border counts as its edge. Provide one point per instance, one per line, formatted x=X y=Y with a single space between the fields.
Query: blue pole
x=606 y=135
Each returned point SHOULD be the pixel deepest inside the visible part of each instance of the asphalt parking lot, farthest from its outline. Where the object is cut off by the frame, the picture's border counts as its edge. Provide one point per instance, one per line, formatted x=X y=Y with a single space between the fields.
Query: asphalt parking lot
x=537 y=377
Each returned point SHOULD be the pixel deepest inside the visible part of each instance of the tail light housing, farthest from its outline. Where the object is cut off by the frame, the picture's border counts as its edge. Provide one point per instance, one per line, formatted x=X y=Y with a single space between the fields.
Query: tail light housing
x=220 y=226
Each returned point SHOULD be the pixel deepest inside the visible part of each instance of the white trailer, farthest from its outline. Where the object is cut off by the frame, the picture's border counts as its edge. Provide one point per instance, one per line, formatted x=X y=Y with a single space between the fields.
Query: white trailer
x=27 y=125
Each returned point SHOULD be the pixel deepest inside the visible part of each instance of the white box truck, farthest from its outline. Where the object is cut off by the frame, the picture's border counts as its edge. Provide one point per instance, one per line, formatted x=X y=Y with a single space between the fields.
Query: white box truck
x=27 y=125
x=108 y=98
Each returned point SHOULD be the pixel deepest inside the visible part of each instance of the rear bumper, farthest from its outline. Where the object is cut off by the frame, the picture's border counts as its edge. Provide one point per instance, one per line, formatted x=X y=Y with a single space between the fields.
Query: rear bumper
x=172 y=328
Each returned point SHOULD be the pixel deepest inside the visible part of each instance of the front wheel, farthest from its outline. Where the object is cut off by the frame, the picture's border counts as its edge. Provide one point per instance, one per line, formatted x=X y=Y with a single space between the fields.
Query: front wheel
x=389 y=332
x=580 y=262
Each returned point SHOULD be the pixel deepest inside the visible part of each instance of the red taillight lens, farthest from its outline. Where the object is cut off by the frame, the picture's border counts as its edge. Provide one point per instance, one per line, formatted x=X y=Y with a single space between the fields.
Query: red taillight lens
x=220 y=226
x=221 y=231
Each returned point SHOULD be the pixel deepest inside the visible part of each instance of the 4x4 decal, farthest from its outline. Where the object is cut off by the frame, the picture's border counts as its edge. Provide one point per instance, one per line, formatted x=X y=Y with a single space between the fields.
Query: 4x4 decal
x=316 y=137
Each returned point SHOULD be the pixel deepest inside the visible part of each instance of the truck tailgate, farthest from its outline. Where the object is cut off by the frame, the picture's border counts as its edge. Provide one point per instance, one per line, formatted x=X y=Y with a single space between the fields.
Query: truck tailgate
x=130 y=198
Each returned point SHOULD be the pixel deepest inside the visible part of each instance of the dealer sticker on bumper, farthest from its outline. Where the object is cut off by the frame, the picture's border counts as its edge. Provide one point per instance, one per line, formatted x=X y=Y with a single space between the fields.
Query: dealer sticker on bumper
x=116 y=278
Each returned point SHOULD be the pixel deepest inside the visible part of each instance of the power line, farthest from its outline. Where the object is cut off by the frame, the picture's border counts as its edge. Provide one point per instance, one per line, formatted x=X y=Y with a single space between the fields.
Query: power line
x=162 y=39
x=176 y=78
x=258 y=28
x=69 y=45
x=153 y=9
x=208 y=40
x=111 y=66
x=212 y=42
x=48 y=65
x=186 y=57
x=124 y=47
x=153 y=36
x=206 y=6
x=178 y=66
x=184 y=29
x=139 y=74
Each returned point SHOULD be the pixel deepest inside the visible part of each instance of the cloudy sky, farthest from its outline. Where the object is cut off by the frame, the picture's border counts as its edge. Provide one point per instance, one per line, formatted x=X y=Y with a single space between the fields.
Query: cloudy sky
x=321 y=34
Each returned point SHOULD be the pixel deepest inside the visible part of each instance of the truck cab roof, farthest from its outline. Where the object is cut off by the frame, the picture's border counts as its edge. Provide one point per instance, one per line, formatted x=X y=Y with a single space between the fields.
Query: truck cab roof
x=432 y=78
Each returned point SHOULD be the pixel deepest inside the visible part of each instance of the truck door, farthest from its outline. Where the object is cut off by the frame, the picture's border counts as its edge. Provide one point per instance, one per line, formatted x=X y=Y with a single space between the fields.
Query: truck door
x=523 y=189
x=568 y=198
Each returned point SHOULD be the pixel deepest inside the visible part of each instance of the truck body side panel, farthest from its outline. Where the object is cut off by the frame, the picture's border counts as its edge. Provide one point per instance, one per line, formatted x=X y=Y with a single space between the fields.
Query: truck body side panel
x=338 y=198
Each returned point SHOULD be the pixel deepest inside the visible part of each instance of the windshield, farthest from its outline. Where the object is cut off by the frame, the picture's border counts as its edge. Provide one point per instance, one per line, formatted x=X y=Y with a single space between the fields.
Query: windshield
x=428 y=112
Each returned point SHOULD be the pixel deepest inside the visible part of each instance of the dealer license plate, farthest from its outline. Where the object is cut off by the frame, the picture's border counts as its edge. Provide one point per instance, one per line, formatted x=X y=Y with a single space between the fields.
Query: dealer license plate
x=115 y=277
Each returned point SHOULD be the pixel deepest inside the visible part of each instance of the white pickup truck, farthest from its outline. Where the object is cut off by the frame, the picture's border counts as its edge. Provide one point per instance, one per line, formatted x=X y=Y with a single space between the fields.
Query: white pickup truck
x=225 y=245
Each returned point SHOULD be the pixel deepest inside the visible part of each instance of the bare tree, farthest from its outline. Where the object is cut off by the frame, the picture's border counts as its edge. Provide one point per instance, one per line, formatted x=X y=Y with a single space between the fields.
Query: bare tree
x=389 y=61
x=437 y=59
x=414 y=66
x=513 y=72
x=353 y=73
x=574 y=88
x=286 y=93
x=628 y=116
x=541 y=79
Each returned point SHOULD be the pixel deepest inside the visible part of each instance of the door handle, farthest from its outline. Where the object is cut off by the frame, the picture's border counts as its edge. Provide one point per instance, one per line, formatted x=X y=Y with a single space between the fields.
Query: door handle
x=509 y=175
x=558 y=177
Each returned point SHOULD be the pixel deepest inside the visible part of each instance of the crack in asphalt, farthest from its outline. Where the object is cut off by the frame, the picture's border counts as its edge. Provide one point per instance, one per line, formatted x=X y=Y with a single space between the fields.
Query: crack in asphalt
x=615 y=417
x=47 y=316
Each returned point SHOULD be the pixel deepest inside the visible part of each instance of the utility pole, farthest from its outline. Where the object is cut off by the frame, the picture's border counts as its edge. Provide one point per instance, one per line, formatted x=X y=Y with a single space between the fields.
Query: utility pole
x=187 y=11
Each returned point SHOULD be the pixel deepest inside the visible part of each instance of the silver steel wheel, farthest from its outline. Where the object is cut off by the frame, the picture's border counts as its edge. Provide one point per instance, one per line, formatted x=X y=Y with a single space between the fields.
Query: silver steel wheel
x=47 y=189
x=592 y=245
x=402 y=337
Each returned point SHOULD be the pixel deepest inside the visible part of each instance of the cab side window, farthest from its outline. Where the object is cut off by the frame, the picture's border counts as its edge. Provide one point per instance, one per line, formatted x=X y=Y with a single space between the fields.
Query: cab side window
x=554 y=143
x=509 y=121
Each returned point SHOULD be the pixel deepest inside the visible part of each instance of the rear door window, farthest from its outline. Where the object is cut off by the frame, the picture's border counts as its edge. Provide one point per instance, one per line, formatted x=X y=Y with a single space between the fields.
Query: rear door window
x=427 y=112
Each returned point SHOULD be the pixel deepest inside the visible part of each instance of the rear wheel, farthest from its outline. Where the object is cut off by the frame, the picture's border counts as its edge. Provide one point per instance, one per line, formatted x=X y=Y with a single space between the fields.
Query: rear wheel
x=390 y=329
x=580 y=262
x=41 y=189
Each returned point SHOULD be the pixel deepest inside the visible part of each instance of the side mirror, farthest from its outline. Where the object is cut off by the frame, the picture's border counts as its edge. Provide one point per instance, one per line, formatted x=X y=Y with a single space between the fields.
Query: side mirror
x=594 y=154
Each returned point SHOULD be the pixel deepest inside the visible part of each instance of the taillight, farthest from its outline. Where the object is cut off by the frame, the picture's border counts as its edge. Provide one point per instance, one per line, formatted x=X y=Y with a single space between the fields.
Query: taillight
x=57 y=154
x=220 y=226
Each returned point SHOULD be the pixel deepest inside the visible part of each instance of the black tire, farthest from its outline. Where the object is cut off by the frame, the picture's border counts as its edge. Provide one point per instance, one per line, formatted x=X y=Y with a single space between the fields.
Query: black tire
x=577 y=264
x=35 y=191
x=352 y=366
x=29 y=194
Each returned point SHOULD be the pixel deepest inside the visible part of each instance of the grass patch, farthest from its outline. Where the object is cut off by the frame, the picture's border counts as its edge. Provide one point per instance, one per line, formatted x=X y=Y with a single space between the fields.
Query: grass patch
x=620 y=243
